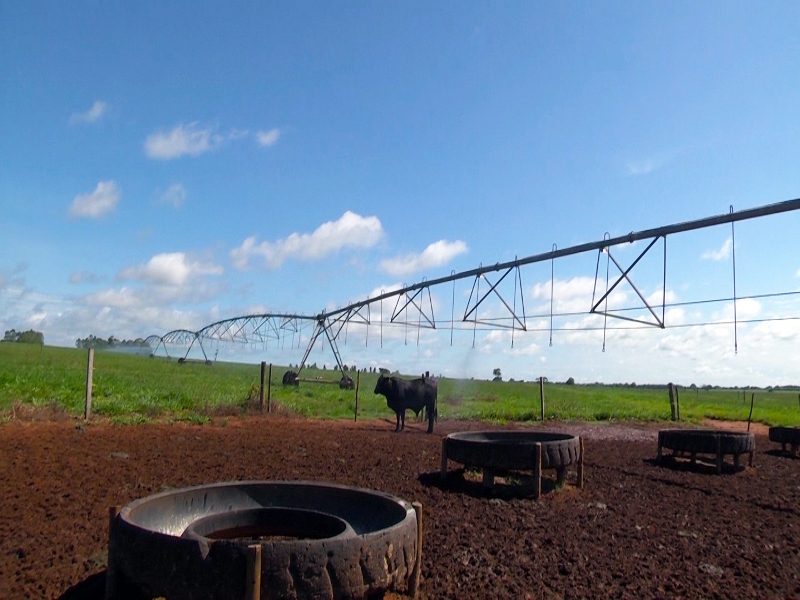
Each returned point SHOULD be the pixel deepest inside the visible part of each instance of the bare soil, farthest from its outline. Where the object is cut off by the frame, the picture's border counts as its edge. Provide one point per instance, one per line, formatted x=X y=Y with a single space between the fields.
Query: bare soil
x=636 y=529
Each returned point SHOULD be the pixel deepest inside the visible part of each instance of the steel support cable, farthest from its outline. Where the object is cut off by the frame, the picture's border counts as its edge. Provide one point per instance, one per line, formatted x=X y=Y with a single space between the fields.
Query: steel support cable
x=641 y=327
x=452 y=309
x=605 y=307
x=552 y=286
x=514 y=311
x=405 y=318
x=522 y=300
x=733 y=254
x=419 y=314
x=477 y=295
x=664 y=289
x=679 y=304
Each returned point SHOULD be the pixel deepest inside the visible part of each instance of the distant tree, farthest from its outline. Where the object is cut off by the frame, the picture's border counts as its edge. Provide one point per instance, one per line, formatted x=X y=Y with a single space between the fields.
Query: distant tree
x=571 y=381
x=24 y=337
x=498 y=376
x=92 y=341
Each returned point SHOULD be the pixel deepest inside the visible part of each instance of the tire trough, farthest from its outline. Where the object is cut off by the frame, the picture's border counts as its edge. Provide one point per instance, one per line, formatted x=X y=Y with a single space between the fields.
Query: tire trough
x=496 y=452
x=263 y=540
x=786 y=436
x=707 y=441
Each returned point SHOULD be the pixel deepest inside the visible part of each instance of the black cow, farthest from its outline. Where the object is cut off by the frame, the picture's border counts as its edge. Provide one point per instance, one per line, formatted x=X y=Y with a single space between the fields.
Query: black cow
x=290 y=378
x=404 y=394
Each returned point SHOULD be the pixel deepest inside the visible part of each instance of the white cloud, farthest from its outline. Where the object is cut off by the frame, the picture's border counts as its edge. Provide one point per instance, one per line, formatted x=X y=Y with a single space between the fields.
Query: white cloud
x=268 y=138
x=92 y=115
x=101 y=201
x=193 y=140
x=237 y=134
x=575 y=295
x=435 y=255
x=641 y=167
x=83 y=277
x=649 y=164
x=124 y=298
x=181 y=140
x=350 y=230
x=174 y=196
x=170 y=269
x=721 y=254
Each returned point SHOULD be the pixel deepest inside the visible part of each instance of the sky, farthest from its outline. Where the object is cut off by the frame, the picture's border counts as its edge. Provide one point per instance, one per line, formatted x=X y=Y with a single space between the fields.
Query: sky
x=167 y=165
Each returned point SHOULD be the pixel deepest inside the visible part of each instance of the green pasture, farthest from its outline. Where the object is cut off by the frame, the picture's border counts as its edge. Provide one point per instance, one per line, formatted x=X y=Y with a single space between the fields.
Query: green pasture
x=130 y=388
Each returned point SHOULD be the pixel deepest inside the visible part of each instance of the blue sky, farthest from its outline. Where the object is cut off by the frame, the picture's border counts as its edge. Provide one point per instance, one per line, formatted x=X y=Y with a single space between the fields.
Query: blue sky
x=166 y=165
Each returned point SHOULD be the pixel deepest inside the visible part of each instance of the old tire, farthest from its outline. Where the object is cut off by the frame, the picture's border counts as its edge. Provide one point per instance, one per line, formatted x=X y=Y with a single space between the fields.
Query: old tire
x=512 y=450
x=704 y=441
x=151 y=551
x=785 y=435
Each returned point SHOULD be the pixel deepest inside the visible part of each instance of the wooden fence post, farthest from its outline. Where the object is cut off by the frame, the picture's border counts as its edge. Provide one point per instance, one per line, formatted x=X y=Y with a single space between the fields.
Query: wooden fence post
x=541 y=394
x=269 y=389
x=87 y=410
x=671 y=388
x=677 y=403
x=261 y=389
x=358 y=385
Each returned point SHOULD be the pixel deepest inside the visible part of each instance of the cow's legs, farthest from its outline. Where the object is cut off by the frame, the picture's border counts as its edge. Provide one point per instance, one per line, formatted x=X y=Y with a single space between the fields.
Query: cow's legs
x=397 y=424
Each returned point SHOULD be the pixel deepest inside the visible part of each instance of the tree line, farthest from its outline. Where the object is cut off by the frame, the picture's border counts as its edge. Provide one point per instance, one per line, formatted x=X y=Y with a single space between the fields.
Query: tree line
x=93 y=341
x=25 y=337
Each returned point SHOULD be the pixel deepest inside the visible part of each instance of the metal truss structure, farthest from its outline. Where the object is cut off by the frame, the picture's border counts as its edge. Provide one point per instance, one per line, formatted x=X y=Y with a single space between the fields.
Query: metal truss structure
x=507 y=312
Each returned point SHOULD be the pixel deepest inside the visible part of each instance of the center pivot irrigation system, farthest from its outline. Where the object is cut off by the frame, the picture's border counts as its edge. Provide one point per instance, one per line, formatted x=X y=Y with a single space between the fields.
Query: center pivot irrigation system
x=508 y=313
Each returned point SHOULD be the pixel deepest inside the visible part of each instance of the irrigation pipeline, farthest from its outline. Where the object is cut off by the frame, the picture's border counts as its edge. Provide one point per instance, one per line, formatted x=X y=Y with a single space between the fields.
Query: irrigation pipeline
x=731 y=217
x=262 y=328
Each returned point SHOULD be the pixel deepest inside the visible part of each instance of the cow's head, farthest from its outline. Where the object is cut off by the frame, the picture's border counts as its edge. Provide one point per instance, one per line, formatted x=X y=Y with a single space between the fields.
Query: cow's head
x=383 y=385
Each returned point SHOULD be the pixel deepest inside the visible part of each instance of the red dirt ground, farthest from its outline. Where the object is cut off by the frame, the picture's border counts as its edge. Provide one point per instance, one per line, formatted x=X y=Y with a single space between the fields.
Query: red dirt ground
x=635 y=530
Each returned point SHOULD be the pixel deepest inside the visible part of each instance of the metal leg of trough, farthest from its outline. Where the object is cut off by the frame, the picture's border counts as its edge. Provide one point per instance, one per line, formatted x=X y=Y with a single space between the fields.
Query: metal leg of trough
x=736 y=460
x=694 y=458
x=561 y=475
x=580 y=463
x=750 y=462
x=658 y=456
x=253 y=583
x=537 y=469
x=443 y=473
x=488 y=477
x=413 y=585
x=111 y=571
x=719 y=455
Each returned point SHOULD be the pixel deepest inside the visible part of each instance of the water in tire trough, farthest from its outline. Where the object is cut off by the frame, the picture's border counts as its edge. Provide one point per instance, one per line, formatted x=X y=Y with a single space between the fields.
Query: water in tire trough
x=635 y=530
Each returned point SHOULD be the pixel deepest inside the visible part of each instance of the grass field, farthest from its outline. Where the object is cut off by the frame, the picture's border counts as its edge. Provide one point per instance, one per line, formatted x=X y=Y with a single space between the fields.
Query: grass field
x=129 y=389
